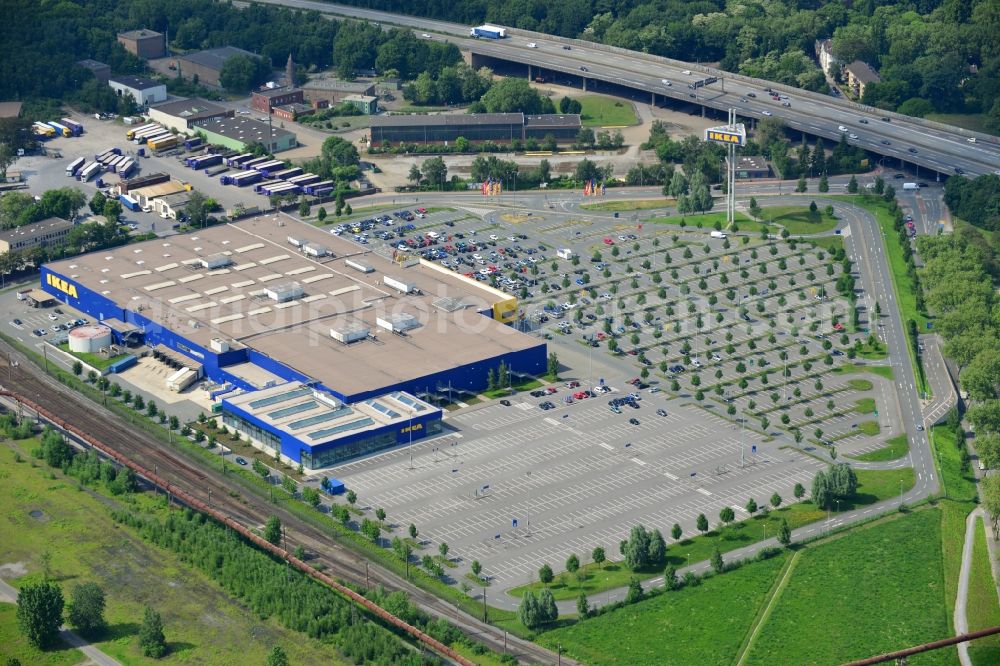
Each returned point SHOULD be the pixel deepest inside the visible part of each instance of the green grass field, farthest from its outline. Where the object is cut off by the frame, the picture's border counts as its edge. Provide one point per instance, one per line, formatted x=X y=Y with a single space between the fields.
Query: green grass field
x=875 y=589
x=706 y=220
x=894 y=449
x=699 y=625
x=798 y=220
x=956 y=484
x=873 y=486
x=14 y=646
x=865 y=405
x=982 y=606
x=829 y=243
x=859 y=384
x=629 y=205
x=202 y=623
x=601 y=111
x=94 y=360
x=880 y=370
x=953 y=516
x=870 y=428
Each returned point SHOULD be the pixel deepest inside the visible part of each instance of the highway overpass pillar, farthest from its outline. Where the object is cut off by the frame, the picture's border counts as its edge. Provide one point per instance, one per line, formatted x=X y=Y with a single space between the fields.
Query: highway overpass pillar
x=529 y=73
x=652 y=101
x=585 y=84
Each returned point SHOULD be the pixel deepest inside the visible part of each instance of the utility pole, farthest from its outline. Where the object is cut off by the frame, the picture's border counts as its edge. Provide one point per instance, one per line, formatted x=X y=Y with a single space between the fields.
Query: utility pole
x=484 y=603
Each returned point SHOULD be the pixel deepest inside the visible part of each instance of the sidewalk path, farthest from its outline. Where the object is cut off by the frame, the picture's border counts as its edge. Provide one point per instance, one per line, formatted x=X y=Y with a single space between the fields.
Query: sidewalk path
x=8 y=594
x=961 y=618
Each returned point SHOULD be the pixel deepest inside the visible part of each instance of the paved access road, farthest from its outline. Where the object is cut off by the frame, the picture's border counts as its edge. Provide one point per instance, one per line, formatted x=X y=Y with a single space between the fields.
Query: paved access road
x=936 y=146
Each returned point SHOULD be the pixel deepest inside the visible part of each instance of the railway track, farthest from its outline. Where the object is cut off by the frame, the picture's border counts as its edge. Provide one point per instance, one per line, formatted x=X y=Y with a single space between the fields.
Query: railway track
x=210 y=486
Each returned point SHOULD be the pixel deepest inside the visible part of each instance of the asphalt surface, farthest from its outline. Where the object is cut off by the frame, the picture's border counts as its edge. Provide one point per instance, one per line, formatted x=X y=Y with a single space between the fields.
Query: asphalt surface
x=935 y=146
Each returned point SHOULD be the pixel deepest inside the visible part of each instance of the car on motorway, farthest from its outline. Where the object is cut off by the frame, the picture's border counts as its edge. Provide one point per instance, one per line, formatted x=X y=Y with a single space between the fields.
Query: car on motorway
x=584 y=69
x=898 y=176
x=686 y=72
x=912 y=151
x=786 y=104
x=666 y=82
x=852 y=135
x=959 y=170
x=566 y=47
x=885 y=119
x=886 y=142
x=743 y=99
x=863 y=121
x=751 y=94
x=841 y=128
x=692 y=95
x=767 y=113
x=532 y=45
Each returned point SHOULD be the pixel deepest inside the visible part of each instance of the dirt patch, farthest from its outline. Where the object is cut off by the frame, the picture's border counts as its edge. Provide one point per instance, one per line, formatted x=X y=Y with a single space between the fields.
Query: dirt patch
x=13 y=570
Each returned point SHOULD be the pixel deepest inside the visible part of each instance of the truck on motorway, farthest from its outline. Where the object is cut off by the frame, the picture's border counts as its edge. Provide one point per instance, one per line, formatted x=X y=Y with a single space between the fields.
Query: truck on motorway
x=910 y=186
x=129 y=202
x=488 y=31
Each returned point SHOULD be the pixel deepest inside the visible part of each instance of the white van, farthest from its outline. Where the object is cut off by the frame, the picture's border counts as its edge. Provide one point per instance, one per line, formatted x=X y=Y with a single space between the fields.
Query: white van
x=971 y=139
x=433 y=235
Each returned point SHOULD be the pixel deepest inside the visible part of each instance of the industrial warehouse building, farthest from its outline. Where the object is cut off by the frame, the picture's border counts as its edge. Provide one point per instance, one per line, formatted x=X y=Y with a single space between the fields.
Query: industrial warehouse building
x=146 y=44
x=207 y=65
x=102 y=71
x=240 y=133
x=144 y=91
x=182 y=114
x=312 y=356
x=335 y=90
x=504 y=127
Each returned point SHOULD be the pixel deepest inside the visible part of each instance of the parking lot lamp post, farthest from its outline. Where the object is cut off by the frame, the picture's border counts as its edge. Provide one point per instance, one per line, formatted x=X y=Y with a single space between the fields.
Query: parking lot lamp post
x=409 y=447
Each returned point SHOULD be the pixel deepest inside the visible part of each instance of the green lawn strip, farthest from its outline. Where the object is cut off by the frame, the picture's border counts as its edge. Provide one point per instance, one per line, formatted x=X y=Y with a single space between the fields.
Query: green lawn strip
x=865 y=406
x=203 y=624
x=601 y=111
x=13 y=645
x=894 y=449
x=707 y=221
x=953 y=516
x=906 y=295
x=876 y=589
x=982 y=607
x=873 y=486
x=870 y=428
x=93 y=360
x=860 y=384
x=765 y=611
x=529 y=385
x=697 y=625
x=956 y=483
x=880 y=370
x=798 y=220
x=629 y=204
x=829 y=243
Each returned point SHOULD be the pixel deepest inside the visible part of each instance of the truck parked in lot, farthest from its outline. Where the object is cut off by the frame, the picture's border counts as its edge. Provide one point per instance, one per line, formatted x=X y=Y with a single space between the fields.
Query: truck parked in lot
x=488 y=31
x=129 y=202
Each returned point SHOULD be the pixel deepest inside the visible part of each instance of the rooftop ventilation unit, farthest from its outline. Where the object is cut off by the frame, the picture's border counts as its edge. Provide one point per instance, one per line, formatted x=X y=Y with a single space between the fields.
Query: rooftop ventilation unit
x=398 y=323
x=216 y=261
x=282 y=293
x=349 y=332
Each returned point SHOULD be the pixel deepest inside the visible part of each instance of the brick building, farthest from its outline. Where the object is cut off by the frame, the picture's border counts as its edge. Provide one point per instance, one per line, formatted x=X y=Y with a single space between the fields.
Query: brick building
x=144 y=43
x=265 y=100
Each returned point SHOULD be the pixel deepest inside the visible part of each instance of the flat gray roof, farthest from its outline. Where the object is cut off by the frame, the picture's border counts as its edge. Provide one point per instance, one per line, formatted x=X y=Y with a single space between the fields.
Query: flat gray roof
x=136 y=82
x=140 y=34
x=447 y=119
x=276 y=92
x=190 y=109
x=316 y=417
x=215 y=58
x=553 y=120
x=243 y=129
x=90 y=63
x=165 y=280
x=337 y=85
x=36 y=229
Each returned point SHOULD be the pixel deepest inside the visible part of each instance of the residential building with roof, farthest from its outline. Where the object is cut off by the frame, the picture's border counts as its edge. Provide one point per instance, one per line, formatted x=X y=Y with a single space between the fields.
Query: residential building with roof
x=50 y=231
x=859 y=75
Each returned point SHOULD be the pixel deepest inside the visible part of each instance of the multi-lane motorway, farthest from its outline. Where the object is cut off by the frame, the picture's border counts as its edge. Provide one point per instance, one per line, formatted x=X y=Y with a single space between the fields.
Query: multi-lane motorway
x=942 y=148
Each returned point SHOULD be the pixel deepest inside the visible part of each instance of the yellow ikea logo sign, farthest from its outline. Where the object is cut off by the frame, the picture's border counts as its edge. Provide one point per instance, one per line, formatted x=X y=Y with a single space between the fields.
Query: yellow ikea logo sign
x=415 y=426
x=725 y=137
x=64 y=286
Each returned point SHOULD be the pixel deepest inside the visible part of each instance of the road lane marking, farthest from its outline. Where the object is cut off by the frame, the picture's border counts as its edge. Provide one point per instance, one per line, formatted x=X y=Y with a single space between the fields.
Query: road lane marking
x=704 y=492
x=670 y=476
x=638 y=462
x=606 y=446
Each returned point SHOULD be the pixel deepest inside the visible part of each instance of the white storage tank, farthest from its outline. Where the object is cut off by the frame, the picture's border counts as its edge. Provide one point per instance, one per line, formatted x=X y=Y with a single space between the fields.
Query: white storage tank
x=89 y=339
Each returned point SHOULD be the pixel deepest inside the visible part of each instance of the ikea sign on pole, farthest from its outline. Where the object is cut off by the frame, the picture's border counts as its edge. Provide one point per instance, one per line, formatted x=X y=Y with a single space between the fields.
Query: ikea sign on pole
x=731 y=135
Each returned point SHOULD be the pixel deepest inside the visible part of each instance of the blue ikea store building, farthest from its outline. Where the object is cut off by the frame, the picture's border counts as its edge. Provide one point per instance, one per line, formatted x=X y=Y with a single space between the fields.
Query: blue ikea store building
x=307 y=356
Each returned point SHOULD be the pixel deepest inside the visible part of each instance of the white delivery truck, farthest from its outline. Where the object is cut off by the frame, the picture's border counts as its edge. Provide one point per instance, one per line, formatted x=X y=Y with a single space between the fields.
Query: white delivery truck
x=718 y=234
x=565 y=253
x=910 y=186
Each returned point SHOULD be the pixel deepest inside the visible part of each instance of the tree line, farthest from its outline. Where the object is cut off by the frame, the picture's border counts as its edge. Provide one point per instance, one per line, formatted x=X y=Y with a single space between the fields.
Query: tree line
x=977 y=201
